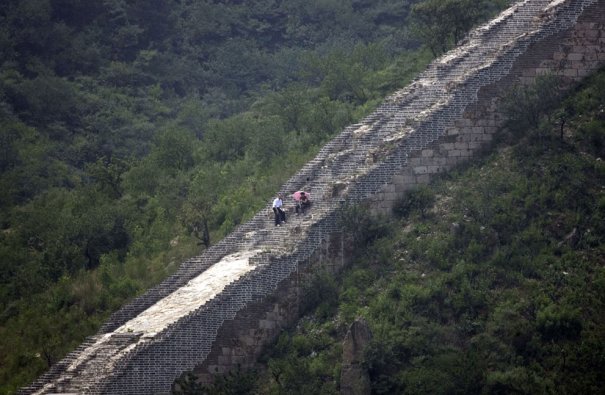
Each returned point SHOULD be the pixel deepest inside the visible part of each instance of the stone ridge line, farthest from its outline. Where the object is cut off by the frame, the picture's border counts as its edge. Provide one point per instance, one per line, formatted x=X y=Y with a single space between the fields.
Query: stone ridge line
x=186 y=299
x=187 y=309
x=165 y=312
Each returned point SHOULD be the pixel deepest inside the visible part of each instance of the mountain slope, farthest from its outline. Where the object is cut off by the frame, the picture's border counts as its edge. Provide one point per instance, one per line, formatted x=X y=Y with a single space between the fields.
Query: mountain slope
x=491 y=280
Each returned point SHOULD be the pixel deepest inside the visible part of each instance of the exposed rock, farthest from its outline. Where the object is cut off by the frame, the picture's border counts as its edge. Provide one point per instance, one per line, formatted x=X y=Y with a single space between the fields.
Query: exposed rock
x=354 y=378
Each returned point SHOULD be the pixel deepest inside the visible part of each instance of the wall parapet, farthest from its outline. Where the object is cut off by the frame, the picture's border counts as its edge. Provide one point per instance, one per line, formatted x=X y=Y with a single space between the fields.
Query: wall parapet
x=444 y=117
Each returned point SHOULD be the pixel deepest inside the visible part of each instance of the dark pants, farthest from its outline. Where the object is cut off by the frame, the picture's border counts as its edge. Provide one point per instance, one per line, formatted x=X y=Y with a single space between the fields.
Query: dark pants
x=301 y=207
x=280 y=216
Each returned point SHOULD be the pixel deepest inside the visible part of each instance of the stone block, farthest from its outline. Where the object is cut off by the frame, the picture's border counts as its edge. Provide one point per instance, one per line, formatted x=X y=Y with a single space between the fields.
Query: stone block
x=409 y=179
x=407 y=187
x=427 y=153
x=388 y=188
x=391 y=197
x=266 y=324
x=529 y=72
x=415 y=161
x=593 y=33
x=420 y=170
x=556 y=56
x=440 y=161
x=397 y=180
x=526 y=80
x=377 y=198
x=472 y=137
x=463 y=122
x=247 y=341
x=570 y=73
x=423 y=179
x=238 y=360
x=575 y=56
x=549 y=64
x=224 y=360
x=214 y=369
x=593 y=65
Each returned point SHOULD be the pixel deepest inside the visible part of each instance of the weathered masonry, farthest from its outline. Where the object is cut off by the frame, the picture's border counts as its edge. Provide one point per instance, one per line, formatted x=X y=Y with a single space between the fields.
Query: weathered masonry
x=219 y=309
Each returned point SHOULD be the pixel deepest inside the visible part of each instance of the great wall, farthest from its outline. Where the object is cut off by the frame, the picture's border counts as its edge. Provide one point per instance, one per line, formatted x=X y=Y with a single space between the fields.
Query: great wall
x=220 y=308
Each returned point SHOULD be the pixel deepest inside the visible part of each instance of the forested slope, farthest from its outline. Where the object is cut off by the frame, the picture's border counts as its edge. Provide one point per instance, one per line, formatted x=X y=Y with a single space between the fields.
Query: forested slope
x=488 y=280
x=134 y=133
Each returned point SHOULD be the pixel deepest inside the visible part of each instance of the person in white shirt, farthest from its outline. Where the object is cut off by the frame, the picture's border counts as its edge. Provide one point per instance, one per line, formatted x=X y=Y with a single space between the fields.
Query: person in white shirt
x=280 y=215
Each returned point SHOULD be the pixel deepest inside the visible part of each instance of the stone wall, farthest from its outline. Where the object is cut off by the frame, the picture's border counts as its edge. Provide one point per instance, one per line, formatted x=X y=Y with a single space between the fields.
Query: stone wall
x=242 y=340
x=571 y=55
x=444 y=117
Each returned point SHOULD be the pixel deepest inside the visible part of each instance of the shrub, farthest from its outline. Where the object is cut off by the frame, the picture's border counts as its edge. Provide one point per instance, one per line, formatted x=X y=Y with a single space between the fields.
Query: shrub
x=365 y=228
x=416 y=200
x=559 y=323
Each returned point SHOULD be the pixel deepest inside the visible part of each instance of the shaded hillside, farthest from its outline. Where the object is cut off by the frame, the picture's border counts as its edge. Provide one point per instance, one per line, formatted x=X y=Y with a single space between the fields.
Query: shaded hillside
x=134 y=134
x=490 y=280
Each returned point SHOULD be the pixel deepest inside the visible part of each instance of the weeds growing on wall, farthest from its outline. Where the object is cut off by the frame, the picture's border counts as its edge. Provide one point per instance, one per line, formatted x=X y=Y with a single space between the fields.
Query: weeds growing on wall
x=493 y=284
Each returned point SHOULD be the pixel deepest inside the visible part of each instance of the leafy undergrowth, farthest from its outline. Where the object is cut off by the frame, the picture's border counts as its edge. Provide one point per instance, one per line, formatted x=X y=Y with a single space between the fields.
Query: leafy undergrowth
x=492 y=282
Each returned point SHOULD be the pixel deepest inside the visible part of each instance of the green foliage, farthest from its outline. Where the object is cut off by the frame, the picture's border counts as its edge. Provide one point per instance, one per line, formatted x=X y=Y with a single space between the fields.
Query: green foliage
x=419 y=200
x=500 y=290
x=321 y=295
x=233 y=383
x=364 y=227
x=131 y=133
x=441 y=24
x=559 y=322
x=526 y=105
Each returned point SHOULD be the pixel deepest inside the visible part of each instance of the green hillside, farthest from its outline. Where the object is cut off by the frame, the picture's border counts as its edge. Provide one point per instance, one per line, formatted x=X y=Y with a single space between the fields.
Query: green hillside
x=134 y=134
x=491 y=280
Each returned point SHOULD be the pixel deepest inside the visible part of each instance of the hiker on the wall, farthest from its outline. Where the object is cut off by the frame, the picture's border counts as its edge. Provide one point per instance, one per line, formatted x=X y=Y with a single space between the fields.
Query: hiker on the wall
x=280 y=215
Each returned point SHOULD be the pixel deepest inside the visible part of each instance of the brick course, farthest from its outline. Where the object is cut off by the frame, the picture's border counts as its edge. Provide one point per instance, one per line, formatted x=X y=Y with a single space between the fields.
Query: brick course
x=444 y=117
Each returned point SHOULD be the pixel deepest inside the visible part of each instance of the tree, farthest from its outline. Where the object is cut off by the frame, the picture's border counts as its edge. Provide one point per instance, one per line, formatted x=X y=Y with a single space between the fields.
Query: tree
x=442 y=23
x=197 y=210
x=526 y=105
x=420 y=199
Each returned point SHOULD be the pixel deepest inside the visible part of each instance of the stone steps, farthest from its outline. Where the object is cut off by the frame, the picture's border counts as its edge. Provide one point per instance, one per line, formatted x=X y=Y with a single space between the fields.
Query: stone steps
x=353 y=167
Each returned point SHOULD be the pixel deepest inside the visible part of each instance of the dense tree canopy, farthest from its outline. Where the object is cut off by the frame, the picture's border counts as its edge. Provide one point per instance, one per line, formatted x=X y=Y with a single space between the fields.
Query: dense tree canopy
x=133 y=133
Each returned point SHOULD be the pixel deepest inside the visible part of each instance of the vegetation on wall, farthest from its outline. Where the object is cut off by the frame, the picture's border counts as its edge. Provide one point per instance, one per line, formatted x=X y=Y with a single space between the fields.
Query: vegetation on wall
x=133 y=134
x=493 y=282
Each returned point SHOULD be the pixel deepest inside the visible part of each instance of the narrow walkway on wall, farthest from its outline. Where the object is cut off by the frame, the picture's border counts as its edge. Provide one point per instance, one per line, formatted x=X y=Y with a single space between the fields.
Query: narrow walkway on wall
x=250 y=262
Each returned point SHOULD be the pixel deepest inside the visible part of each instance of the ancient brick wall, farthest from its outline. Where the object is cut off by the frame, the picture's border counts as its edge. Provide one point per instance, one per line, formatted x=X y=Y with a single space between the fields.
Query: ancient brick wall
x=242 y=340
x=570 y=54
x=444 y=117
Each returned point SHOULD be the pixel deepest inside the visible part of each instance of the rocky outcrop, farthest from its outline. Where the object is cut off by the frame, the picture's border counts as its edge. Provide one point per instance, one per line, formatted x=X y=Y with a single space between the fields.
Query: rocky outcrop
x=354 y=377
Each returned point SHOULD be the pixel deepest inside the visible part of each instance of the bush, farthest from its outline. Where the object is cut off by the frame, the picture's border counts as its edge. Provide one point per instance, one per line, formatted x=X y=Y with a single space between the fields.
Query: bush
x=559 y=323
x=417 y=200
x=321 y=294
x=357 y=221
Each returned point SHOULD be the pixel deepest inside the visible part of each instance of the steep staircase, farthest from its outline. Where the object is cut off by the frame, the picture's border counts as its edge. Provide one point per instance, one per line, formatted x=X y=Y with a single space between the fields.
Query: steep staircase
x=127 y=357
